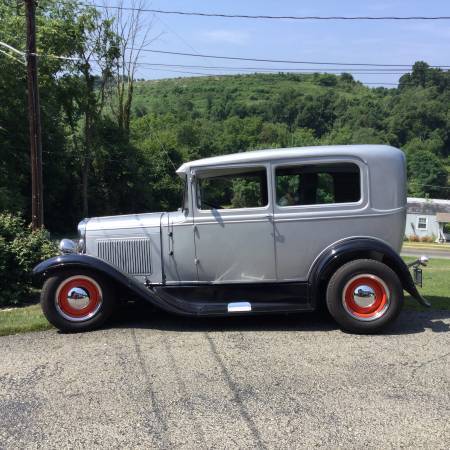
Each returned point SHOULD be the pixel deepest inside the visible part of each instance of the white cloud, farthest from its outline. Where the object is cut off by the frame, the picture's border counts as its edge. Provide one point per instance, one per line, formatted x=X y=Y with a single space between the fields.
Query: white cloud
x=236 y=37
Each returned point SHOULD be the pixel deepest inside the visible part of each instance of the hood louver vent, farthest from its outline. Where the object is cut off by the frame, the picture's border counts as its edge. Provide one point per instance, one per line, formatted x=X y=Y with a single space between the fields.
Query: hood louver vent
x=132 y=256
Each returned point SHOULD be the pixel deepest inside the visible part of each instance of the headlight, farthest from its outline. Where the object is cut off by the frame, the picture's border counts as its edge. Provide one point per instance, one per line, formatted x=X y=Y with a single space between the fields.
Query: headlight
x=82 y=235
x=67 y=246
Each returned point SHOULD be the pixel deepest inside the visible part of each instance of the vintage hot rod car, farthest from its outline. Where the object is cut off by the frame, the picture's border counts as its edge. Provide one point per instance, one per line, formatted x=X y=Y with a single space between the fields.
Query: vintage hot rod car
x=270 y=231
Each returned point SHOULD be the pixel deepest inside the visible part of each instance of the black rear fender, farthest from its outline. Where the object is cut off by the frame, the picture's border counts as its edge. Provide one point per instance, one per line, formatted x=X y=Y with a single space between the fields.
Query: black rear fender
x=359 y=248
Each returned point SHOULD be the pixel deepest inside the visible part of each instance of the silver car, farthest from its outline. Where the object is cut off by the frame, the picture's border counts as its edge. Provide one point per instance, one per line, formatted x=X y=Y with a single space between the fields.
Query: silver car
x=270 y=231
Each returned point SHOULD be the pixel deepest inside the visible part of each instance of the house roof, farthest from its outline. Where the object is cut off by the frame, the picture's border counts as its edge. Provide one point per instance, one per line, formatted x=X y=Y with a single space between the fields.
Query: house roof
x=443 y=217
x=427 y=206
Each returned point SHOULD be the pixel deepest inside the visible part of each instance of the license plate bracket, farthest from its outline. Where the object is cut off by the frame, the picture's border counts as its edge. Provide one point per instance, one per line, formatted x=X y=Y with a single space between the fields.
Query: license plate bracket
x=418 y=276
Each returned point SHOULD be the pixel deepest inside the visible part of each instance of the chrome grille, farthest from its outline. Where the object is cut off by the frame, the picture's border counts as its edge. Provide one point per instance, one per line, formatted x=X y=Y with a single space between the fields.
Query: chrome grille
x=130 y=255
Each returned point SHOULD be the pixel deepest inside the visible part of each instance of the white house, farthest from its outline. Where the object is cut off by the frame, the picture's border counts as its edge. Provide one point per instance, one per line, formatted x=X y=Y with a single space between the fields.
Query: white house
x=428 y=218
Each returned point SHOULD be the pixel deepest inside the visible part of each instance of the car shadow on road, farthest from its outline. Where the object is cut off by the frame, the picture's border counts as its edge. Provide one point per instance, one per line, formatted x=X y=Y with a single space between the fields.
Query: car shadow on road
x=139 y=315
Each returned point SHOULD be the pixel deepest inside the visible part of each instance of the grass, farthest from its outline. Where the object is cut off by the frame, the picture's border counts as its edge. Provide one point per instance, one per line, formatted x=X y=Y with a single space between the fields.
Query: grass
x=23 y=319
x=430 y=245
x=436 y=284
x=436 y=288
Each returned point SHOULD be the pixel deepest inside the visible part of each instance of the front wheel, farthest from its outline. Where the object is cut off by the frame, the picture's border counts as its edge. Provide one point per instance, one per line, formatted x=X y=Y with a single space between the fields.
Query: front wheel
x=364 y=296
x=77 y=300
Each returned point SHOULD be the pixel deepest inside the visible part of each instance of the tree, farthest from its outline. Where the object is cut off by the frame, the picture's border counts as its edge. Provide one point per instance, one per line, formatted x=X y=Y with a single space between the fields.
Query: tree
x=427 y=175
x=133 y=32
x=96 y=52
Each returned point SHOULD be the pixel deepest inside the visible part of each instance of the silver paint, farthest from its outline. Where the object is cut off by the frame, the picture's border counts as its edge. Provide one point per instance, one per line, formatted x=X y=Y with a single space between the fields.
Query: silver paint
x=263 y=244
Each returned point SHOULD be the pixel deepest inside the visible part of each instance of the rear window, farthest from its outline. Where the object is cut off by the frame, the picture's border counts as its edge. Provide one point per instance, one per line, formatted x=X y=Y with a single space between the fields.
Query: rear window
x=318 y=184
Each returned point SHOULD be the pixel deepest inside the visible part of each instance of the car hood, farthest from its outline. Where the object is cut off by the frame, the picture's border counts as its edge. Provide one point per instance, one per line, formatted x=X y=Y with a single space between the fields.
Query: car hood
x=126 y=221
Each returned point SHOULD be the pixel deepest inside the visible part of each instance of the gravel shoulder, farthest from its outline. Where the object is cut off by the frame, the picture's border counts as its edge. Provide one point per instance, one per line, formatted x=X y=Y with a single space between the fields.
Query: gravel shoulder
x=264 y=382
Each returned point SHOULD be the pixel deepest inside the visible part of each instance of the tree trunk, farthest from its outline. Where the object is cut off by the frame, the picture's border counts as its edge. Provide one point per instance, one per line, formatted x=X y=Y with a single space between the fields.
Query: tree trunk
x=86 y=164
x=127 y=109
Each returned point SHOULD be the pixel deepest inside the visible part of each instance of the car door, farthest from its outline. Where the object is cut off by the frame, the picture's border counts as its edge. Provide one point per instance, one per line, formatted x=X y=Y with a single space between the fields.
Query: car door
x=316 y=202
x=233 y=228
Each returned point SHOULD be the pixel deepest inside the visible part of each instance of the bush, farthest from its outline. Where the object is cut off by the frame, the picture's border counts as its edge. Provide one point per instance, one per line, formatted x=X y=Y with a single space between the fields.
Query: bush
x=20 y=250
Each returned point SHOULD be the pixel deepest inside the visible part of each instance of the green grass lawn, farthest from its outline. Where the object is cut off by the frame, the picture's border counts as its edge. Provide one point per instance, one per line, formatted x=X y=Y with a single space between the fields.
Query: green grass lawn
x=436 y=288
x=436 y=285
x=425 y=245
x=20 y=320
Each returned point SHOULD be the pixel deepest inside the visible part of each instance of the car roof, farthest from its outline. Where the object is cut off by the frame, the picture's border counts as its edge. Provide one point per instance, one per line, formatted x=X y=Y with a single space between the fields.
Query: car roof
x=364 y=152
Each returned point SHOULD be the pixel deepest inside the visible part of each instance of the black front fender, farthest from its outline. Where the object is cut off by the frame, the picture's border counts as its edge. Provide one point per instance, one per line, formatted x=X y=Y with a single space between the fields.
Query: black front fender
x=354 y=248
x=75 y=260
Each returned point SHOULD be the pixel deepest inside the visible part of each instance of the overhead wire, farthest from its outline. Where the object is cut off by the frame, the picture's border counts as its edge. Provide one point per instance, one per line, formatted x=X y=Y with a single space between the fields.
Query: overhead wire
x=306 y=71
x=260 y=16
x=358 y=70
x=285 y=61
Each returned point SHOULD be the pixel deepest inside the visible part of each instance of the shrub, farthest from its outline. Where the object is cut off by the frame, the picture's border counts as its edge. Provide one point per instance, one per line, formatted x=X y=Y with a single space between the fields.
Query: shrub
x=20 y=249
x=426 y=239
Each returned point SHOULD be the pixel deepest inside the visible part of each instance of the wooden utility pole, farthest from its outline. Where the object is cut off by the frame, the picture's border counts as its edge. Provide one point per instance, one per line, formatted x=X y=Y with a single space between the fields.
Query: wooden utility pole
x=34 y=120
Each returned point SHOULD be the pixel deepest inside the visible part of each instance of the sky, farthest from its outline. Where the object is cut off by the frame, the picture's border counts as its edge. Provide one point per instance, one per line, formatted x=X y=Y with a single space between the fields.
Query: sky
x=385 y=42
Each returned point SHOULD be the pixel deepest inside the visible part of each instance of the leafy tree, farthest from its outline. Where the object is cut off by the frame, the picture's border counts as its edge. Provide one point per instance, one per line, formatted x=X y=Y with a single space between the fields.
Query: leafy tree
x=427 y=175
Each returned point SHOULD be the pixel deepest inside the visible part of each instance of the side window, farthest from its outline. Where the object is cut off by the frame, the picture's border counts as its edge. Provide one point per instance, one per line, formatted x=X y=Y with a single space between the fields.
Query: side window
x=318 y=184
x=230 y=190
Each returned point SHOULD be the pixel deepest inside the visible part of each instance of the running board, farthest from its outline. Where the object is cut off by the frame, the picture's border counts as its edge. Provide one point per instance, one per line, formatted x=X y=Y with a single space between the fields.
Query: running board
x=223 y=300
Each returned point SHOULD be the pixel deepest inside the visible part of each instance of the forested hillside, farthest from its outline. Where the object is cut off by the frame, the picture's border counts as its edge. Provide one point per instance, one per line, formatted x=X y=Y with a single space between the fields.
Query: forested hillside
x=215 y=115
x=96 y=164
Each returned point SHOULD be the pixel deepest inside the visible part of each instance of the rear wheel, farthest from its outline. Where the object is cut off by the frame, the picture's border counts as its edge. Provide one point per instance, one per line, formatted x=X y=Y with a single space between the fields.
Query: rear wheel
x=364 y=296
x=77 y=300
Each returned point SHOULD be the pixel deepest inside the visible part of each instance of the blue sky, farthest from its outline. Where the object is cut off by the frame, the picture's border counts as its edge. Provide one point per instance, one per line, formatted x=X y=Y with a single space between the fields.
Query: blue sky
x=391 y=42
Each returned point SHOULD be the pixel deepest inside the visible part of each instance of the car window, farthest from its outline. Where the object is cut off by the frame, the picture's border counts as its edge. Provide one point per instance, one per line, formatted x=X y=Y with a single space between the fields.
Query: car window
x=318 y=184
x=233 y=190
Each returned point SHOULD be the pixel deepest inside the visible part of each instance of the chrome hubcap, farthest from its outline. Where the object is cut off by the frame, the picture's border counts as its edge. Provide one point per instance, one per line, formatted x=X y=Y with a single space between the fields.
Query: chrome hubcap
x=78 y=298
x=364 y=296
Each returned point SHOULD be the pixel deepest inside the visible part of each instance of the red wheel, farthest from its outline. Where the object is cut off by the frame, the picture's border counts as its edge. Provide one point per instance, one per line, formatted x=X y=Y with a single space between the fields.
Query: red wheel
x=78 y=298
x=366 y=297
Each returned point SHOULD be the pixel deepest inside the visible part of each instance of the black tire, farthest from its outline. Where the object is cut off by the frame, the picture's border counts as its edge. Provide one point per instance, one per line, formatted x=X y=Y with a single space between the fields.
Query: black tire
x=359 y=319
x=55 y=312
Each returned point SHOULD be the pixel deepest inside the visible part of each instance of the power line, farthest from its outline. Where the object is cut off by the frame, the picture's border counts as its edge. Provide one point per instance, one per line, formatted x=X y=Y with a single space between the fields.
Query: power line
x=391 y=71
x=12 y=57
x=9 y=47
x=160 y=67
x=279 y=69
x=306 y=71
x=380 y=83
x=238 y=58
x=264 y=17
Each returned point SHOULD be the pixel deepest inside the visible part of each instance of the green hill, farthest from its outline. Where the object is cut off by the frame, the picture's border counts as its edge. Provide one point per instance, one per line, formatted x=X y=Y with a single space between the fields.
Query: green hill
x=204 y=116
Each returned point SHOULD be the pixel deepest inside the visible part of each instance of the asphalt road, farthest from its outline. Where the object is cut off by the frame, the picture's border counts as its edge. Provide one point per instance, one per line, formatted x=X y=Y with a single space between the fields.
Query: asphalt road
x=254 y=382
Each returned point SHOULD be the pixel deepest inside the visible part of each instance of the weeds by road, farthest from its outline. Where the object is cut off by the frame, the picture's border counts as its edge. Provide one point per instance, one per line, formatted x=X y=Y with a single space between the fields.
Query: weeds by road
x=20 y=320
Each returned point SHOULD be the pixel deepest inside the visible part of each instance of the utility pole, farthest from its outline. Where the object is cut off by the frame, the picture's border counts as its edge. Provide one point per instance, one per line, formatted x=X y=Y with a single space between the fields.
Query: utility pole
x=34 y=120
